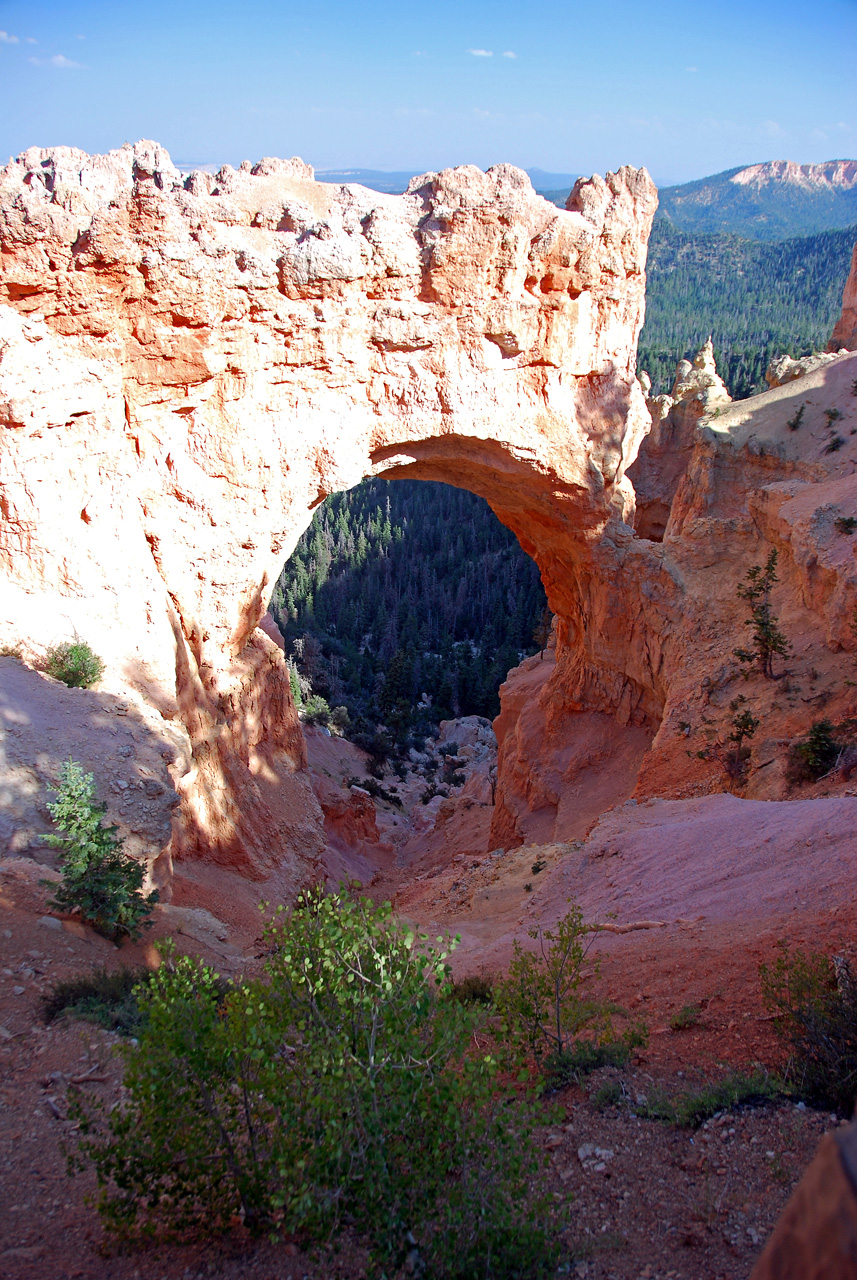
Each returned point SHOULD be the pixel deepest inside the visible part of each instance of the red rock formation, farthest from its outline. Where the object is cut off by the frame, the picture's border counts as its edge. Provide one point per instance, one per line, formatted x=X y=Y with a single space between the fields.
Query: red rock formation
x=845 y=332
x=557 y=772
x=189 y=364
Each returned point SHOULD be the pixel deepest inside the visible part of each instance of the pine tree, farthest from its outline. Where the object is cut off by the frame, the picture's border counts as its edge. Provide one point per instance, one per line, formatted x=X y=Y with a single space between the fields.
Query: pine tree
x=768 y=640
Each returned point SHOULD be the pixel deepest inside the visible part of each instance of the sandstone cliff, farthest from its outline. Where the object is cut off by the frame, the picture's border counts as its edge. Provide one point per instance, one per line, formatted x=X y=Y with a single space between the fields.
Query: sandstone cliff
x=845 y=332
x=189 y=364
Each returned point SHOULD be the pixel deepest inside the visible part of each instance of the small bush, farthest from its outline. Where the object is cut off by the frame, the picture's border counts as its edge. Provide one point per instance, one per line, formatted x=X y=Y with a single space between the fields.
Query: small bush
x=340 y=719
x=693 y=1107
x=610 y=1094
x=375 y=789
x=795 y=421
x=474 y=989
x=845 y=524
x=815 y=1012
x=547 y=1005
x=688 y=1016
x=107 y=997
x=74 y=663
x=340 y=1090
x=432 y=790
x=815 y=756
x=316 y=710
x=538 y=865
x=571 y=1065
x=834 y=445
x=832 y=415
x=12 y=651
x=99 y=880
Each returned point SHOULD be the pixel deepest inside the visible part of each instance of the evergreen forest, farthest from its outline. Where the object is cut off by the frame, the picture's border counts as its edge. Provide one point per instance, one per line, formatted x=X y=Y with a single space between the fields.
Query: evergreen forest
x=407 y=602
x=756 y=298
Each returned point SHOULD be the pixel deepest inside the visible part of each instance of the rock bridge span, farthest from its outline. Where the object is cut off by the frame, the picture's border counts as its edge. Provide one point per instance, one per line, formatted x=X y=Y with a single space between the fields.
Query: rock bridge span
x=189 y=364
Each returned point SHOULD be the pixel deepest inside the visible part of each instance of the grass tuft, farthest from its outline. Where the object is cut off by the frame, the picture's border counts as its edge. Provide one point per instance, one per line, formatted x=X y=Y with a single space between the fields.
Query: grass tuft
x=691 y=1108
x=103 y=996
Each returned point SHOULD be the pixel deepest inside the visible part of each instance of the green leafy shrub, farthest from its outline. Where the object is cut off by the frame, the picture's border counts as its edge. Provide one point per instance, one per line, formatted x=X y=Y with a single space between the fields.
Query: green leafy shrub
x=834 y=444
x=99 y=880
x=548 y=1006
x=693 y=1107
x=315 y=710
x=570 y=1065
x=815 y=756
x=815 y=1012
x=340 y=719
x=687 y=1016
x=341 y=1089
x=845 y=524
x=609 y=1094
x=74 y=663
x=107 y=997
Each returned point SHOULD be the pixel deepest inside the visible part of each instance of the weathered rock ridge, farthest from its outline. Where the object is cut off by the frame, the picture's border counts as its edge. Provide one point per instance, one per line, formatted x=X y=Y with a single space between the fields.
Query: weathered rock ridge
x=189 y=364
x=845 y=332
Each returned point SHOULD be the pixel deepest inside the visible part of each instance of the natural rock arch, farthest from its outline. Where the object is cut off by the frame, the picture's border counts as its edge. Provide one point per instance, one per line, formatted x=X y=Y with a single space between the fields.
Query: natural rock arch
x=190 y=364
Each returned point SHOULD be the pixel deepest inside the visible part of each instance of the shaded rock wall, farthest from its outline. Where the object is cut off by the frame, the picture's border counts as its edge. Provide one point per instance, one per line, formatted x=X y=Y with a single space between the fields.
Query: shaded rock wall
x=189 y=364
x=845 y=332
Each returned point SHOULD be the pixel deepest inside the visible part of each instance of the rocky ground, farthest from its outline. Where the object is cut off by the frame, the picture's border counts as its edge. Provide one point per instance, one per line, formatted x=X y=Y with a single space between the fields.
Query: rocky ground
x=644 y=1199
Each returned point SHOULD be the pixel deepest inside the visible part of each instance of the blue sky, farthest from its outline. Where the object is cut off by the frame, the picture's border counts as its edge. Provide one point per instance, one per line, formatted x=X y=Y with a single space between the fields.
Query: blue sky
x=686 y=88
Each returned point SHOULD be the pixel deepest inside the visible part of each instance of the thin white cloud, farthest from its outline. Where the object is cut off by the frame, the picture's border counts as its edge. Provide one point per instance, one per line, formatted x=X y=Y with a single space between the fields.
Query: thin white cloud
x=691 y=68
x=7 y=38
x=58 y=60
x=773 y=129
x=481 y=53
x=510 y=53
x=30 y=40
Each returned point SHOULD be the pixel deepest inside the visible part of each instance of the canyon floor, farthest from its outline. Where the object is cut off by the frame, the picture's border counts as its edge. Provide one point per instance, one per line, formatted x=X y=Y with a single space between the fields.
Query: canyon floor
x=694 y=878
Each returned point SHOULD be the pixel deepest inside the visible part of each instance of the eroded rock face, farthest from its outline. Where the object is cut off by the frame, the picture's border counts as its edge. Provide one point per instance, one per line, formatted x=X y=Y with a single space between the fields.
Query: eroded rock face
x=189 y=364
x=845 y=332
x=697 y=392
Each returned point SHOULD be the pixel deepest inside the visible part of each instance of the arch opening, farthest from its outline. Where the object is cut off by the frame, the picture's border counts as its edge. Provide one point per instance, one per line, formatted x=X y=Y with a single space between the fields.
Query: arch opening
x=408 y=602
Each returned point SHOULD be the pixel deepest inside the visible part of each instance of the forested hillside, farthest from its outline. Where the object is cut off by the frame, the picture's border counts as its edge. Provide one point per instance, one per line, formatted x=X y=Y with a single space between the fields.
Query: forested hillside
x=756 y=298
x=407 y=588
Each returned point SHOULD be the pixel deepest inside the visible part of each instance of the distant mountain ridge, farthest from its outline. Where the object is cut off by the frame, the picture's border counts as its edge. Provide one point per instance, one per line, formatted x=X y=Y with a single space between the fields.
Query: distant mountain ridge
x=831 y=174
x=774 y=200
